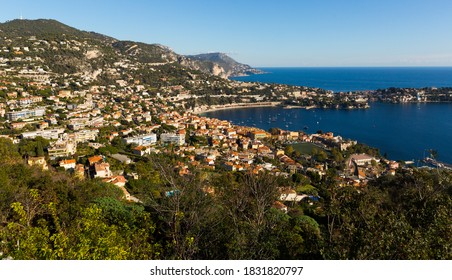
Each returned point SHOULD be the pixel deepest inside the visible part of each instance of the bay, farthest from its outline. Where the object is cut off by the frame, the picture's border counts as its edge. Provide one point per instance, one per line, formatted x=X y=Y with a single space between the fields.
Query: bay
x=401 y=131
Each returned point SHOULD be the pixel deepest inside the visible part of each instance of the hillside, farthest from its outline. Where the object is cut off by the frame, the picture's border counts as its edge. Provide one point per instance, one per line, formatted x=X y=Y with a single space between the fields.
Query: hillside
x=223 y=65
x=65 y=49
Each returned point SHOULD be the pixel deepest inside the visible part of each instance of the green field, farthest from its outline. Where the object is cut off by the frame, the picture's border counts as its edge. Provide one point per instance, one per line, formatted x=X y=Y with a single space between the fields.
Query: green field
x=306 y=148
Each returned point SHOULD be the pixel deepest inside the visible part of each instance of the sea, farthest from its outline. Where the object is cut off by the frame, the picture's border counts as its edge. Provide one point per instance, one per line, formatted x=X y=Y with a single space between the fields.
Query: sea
x=400 y=131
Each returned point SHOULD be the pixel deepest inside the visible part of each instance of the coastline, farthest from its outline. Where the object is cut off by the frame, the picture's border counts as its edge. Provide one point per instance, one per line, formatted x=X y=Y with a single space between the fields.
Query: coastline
x=370 y=126
x=259 y=72
x=213 y=108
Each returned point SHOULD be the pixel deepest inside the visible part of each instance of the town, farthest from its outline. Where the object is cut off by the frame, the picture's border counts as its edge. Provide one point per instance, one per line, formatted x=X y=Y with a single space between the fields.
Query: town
x=70 y=121
x=73 y=123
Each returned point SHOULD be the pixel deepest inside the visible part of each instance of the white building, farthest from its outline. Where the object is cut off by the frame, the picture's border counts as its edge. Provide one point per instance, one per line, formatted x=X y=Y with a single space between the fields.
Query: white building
x=68 y=164
x=362 y=159
x=25 y=114
x=291 y=195
x=62 y=148
x=102 y=170
x=45 y=133
x=86 y=135
x=142 y=140
x=178 y=139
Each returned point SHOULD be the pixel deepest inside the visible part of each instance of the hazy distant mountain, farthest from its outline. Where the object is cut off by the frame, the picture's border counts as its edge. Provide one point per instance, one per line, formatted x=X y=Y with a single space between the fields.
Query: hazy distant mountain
x=221 y=64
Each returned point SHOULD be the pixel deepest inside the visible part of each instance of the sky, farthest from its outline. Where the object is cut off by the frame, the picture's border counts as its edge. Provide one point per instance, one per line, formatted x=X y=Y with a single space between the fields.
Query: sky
x=268 y=33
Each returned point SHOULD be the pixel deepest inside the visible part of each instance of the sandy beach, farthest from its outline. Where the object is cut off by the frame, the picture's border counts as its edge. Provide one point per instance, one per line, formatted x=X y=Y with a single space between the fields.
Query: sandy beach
x=206 y=109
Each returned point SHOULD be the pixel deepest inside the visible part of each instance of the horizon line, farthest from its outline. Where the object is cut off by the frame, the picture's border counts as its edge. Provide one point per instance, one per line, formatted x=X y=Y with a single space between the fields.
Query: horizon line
x=407 y=66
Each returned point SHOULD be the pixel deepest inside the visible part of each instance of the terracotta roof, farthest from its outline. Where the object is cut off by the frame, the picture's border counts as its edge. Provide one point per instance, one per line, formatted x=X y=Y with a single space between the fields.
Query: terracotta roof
x=94 y=159
x=67 y=161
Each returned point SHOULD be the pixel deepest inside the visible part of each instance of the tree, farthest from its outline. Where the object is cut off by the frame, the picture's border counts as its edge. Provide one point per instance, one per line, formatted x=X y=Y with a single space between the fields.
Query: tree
x=288 y=150
x=8 y=151
x=337 y=155
x=33 y=147
x=94 y=239
x=274 y=131
x=247 y=202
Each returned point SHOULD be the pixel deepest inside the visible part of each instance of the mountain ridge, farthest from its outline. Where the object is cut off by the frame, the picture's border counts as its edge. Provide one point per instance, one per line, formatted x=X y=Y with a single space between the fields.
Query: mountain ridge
x=218 y=64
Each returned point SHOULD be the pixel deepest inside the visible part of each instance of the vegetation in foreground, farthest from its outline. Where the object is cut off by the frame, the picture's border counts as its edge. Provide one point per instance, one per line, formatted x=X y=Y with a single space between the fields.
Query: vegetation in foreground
x=221 y=215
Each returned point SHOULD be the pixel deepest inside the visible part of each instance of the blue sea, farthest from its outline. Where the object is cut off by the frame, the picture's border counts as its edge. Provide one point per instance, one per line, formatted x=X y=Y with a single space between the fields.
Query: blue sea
x=401 y=131
x=356 y=78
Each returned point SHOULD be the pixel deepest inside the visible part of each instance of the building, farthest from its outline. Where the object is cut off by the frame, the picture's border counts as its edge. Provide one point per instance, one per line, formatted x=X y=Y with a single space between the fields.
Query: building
x=142 y=150
x=25 y=114
x=173 y=138
x=255 y=135
x=68 y=164
x=102 y=170
x=62 y=148
x=77 y=123
x=85 y=135
x=142 y=140
x=79 y=171
x=96 y=122
x=30 y=100
x=119 y=181
x=45 y=133
x=280 y=206
x=362 y=159
x=38 y=161
x=18 y=125
x=290 y=195
x=122 y=158
x=95 y=159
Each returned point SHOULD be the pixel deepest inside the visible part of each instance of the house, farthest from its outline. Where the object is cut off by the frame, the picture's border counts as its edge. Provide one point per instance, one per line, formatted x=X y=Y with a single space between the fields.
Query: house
x=64 y=93
x=38 y=161
x=67 y=164
x=280 y=206
x=43 y=125
x=290 y=195
x=264 y=150
x=18 y=125
x=62 y=148
x=362 y=159
x=102 y=170
x=95 y=159
x=119 y=181
x=229 y=166
x=113 y=135
x=229 y=132
x=79 y=171
x=255 y=135
x=361 y=174
x=393 y=165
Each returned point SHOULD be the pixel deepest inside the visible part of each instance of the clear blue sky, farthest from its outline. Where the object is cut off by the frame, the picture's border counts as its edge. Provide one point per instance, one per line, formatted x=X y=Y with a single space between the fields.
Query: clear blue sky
x=268 y=32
